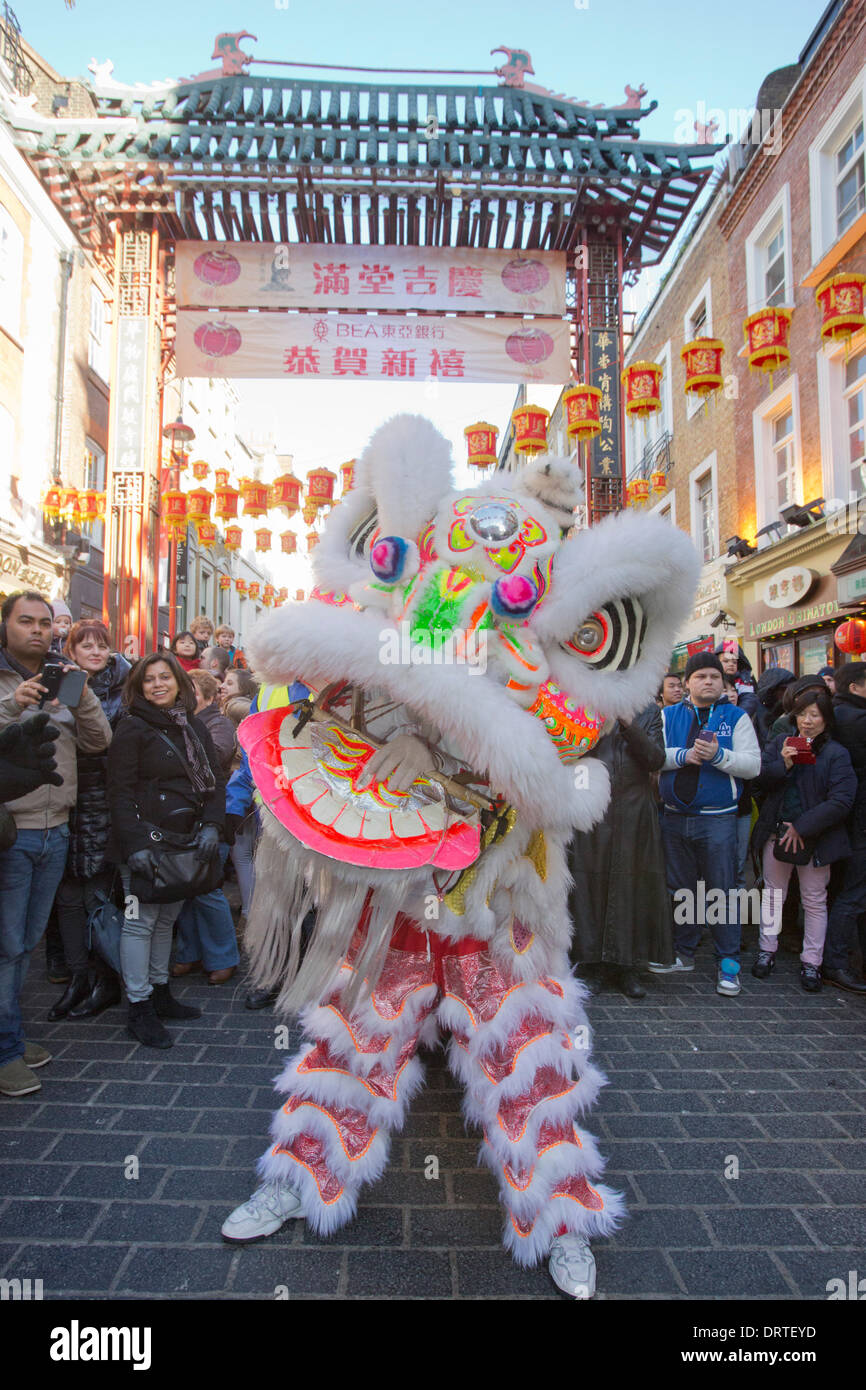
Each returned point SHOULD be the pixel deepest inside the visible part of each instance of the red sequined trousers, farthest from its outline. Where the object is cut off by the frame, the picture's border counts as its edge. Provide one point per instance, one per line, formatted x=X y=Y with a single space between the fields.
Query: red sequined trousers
x=521 y=1050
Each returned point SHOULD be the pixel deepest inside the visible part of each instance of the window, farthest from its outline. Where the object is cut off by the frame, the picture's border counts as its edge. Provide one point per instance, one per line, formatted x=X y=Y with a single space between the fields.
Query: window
x=776 y=438
x=768 y=256
x=698 y=323
x=667 y=508
x=774 y=272
x=850 y=191
x=842 y=412
x=837 y=171
x=11 y=274
x=705 y=525
x=99 y=341
x=855 y=411
x=94 y=478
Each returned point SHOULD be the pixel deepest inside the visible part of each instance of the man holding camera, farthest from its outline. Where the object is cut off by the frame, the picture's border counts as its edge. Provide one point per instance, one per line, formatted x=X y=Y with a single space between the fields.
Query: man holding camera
x=31 y=868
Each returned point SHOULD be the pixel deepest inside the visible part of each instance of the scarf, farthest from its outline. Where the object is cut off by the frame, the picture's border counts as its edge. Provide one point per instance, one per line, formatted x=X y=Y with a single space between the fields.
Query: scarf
x=199 y=769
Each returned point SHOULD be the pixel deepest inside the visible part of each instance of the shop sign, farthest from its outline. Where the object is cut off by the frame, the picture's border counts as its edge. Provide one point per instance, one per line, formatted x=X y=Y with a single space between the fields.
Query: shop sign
x=25 y=576
x=788 y=586
x=819 y=612
x=852 y=587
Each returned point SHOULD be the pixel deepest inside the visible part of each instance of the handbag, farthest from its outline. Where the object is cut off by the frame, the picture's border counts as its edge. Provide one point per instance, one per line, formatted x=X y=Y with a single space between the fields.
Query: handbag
x=175 y=871
x=104 y=926
x=792 y=856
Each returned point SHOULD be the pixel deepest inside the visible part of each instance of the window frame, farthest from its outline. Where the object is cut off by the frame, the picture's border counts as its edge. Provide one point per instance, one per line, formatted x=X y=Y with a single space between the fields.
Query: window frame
x=847 y=112
x=99 y=348
x=709 y=465
x=756 y=247
x=832 y=415
x=787 y=395
x=705 y=296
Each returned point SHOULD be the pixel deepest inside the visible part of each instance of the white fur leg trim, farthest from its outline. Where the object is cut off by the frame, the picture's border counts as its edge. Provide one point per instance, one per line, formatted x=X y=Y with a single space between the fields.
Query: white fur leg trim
x=335 y=1086
x=529 y=1249
x=324 y=1218
x=346 y=1037
x=310 y=1118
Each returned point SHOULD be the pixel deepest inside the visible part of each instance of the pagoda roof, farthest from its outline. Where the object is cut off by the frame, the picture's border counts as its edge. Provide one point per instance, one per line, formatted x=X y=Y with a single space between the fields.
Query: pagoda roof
x=288 y=159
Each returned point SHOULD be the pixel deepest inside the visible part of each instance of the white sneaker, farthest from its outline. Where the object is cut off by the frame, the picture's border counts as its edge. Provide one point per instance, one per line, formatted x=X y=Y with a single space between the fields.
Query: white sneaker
x=572 y=1266
x=266 y=1212
x=679 y=967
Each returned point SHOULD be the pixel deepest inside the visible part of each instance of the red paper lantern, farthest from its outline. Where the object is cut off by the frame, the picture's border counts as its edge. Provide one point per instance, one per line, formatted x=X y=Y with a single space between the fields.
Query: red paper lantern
x=68 y=502
x=703 y=363
x=88 y=505
x=320 y=486
x=283 y=595
x=241 y=587
x=217 y=338
x=658 y=482
x=206 y=532
x=200 y=469
x=174 y=510
x=225 y=581
x=642 y=385
x=234 y=538
x=288 y=542
x=254 y=589
x=851 y=636
x=286 y=493
x=348 y=472
x=227 y=499
x=263 y=539
x=766 y=334
x=268 y=595
x=255 y=497
x=481 y=444
x=101 y=503
x=582 y=411
x=51 y=503
x=221 y=477
x=530 y=429
x=217 y=268
x=841 y=301
x=638 y=492
x=198 y=503
x=310 y=510
x=313 y=539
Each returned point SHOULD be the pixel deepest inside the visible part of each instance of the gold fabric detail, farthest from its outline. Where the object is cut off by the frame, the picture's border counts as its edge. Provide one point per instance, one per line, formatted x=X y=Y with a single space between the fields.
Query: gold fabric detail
x=499 y=827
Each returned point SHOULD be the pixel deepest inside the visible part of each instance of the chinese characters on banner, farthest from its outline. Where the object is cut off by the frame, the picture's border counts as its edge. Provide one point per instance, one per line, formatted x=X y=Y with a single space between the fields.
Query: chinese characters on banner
x=606 y=448
x=382 y=348
x=129 y=416
x=287 y=276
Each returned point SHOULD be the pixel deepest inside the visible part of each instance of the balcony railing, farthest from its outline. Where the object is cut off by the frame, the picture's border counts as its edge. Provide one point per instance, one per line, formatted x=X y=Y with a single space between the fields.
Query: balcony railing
x=12 y=52
x=656 y=457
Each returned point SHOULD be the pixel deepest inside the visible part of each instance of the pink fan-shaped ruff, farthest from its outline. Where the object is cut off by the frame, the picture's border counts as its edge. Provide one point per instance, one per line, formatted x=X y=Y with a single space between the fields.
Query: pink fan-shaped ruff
x=259 y=736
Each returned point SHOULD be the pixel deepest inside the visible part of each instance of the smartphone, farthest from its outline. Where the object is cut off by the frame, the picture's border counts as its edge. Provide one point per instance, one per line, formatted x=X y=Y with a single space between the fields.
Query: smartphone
x=65 y=686
x=50 y=676
x=802 y=750
x=704 y=736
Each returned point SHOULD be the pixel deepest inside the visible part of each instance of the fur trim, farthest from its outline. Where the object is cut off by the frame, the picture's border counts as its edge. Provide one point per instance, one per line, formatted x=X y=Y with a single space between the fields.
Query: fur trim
x=339 y=1086
x=322 y=1219
x=556 y=482
x=407 y=467
x=534 y=1247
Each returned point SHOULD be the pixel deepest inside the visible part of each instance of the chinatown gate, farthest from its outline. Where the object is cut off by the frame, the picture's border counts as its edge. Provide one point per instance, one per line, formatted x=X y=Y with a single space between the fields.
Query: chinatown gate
x=490 y=229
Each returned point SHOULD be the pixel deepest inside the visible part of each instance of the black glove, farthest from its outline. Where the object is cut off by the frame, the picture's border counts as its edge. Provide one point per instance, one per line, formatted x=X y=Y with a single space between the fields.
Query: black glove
x=207 y=843
x=27 y=756
x=140 y=862
x=233 y=825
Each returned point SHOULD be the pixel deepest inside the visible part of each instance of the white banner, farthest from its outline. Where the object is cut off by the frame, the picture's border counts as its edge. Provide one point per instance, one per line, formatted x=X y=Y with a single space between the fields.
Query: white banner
x=382 y=348
x=246 y=275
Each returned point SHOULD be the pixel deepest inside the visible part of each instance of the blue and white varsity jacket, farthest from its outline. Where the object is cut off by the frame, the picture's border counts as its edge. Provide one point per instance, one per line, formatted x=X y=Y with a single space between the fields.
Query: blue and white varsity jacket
x=719 y=783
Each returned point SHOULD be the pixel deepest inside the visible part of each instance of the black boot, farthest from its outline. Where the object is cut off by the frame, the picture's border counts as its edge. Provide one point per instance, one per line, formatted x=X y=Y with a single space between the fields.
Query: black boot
x=167 y=1006
x=145 y=1027
x=844 y=979
x=77 y=989
x=260 y=998
x=104 y=995
x=630 y=985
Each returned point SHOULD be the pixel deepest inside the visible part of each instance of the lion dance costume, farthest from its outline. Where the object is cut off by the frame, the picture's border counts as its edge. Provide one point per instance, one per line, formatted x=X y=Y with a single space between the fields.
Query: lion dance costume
x=466 y=623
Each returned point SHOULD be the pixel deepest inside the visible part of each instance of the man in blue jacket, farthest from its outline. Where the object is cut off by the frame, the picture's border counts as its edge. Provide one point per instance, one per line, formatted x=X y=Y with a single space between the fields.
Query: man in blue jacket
x=711 y=750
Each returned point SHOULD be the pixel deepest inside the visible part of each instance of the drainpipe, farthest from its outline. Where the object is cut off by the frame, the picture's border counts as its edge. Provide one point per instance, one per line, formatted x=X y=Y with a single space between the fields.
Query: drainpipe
x=66 y=261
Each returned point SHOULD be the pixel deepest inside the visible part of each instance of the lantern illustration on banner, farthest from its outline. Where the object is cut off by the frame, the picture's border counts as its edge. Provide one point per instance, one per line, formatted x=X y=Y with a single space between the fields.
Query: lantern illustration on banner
x=480 y=439
x=850 y=637
x=530 y=429
x=642 y=384
x=198 y=503
x=841 y=303
x=254 y=589
x=206 y=532
x=702 y=358
x=313 y=539
x=217 y=337
x=174 y=511
x=348 y=474
x=286 y=493
x=227 y=498
x=234 y=538
x=200 y=469
x=241 y=587
x=766 y=334
x=225 y=581
x=51 y=502
x=263 y=539
x=221 y=477
x=582 y=412
x=310 y=510
x=288 y=542
x=216 y=267
x=255 y=497
x=320 y=486
x=268 y=595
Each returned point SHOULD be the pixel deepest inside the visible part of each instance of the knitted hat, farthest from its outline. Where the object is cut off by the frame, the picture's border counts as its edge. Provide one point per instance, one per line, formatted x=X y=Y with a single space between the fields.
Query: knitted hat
x=703 y=661
x=61 y=610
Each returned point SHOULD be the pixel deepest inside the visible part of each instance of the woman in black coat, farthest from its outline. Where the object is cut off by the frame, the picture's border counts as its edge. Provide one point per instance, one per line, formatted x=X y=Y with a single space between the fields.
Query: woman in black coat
x=620 y=905
x=163 y=775
x=804 y=811
x=94 y=986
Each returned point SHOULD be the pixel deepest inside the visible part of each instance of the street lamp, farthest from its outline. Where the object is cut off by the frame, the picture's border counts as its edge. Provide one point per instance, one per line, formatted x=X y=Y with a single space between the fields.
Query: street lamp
x=178 y=433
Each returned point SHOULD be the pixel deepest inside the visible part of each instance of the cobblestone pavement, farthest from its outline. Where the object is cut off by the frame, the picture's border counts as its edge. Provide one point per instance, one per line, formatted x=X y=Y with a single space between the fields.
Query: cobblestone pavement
x=773 y=1083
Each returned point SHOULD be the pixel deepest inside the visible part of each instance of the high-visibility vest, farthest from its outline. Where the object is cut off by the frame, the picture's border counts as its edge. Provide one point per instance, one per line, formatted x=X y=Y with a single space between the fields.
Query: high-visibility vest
x=277 y=696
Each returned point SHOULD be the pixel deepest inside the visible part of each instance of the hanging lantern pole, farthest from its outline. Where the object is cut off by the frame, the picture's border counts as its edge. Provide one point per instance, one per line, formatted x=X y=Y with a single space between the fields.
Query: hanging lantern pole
x=178 y=433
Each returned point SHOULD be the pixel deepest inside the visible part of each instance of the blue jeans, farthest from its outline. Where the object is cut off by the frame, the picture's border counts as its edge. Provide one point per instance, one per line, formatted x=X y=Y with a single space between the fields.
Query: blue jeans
x=703 y=848
x=206 y=930
x=30 y=873
x=847 y=906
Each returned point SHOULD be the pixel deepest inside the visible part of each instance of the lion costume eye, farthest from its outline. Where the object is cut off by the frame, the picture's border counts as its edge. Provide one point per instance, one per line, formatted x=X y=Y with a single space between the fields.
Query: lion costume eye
x=610 y=639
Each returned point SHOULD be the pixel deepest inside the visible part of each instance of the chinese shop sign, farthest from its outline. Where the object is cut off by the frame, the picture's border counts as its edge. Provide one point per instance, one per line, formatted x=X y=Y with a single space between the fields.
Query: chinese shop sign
x=381 y=348
x=606 y=449
x=129 y=395
x=318 y=276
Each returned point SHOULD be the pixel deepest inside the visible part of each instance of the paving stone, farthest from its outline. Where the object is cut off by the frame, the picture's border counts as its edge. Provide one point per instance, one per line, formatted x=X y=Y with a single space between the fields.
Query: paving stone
x=98 y=1180
x=208 y=1184
x=196 y=1072
x=720 y=1126
x=19 y=1145
x=184 y=1151
x=224 y=1122
x=438 y=1227
x=780 y=1188
x=639 y=1126
x=853 y=1125
x=451 y=1153
x=402 y=1273
x=627 y=1157
x=475 y=1189
x=493 y=1274
x=263 y=1270
x=94 y=1148
x=843 y=1229
x=770 y=1227
x=177 y=1271
x=116 y=1071
x=193 y=1097
x=374 y=1226
x=171 y=1121
x=670 y=1102
x=660 y=1228
x=121 y=1093
x=812 y=1271
x=151 y=1223
x=683 y=1189
x=729 y=1273
x=842 y=1189
x=825 y=1102
x=742 y=1103
x=31 y=1179
x=55 y=1218
x=805 y=1126
x=626 y=1272
x=67 y=1269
